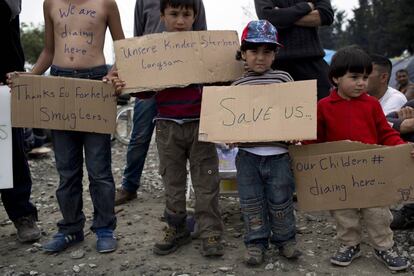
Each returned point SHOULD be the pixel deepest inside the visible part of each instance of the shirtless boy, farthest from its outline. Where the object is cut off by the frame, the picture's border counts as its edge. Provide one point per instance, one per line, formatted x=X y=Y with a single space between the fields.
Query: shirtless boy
x=74 y=41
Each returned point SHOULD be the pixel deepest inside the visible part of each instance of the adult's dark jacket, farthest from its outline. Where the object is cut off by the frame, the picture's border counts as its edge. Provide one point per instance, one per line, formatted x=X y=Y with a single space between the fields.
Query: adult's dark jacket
x=11 y=54
x=299 y=42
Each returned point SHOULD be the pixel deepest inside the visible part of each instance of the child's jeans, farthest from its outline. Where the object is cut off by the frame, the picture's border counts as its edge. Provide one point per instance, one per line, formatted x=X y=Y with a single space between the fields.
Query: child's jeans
x=176 y=144
x=69 y=147
x=265 y=190
x=377 y=223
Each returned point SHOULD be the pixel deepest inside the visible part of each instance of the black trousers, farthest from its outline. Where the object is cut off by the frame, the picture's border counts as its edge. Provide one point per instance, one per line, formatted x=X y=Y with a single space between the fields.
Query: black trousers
x=307 y=69
x=16 y=201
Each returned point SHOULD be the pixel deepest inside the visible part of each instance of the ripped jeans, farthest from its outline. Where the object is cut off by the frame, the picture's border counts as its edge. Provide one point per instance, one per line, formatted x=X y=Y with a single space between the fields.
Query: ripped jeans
x=265 y=189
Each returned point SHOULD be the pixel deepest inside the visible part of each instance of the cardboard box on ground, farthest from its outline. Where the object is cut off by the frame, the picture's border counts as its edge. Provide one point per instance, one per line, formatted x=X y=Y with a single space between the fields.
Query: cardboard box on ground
x=63 y=103
x=344 y=174
x=176 y=59
x=6 y=162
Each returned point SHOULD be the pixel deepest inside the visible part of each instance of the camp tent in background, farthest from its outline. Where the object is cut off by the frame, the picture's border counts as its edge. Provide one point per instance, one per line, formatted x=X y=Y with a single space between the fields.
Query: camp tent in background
x=328 y=55
x=404 y=63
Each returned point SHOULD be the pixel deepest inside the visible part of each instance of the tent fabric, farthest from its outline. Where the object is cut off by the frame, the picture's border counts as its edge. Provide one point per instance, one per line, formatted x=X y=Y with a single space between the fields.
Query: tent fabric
x=405 y=63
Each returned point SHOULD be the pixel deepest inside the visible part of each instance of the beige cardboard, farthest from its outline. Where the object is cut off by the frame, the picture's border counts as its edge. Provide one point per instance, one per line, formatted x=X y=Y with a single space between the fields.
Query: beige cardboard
x=63 y=103
x=158 y=61
x=340 y=175
x=6 y=162
x=259 y=113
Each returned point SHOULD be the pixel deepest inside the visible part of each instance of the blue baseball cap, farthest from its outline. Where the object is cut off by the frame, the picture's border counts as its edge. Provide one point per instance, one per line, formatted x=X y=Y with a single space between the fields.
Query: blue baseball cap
x=260 y=31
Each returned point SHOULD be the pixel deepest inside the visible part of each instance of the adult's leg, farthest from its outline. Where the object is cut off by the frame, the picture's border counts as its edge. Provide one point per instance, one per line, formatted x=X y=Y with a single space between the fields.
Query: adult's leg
x=143 y=127
x=16 y=201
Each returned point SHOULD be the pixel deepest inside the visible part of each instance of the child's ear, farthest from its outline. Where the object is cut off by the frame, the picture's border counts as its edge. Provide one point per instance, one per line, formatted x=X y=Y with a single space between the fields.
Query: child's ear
x=335 y=80
x=243 y=55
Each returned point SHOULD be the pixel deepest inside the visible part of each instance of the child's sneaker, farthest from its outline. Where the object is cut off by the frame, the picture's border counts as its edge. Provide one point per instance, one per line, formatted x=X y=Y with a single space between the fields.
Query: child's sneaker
x=212 y=246
x=174 y=237
x=392 y=259
x=106 y=241
x=289 y=251
x=254 y=254
x=345 y=255
x=61 y=241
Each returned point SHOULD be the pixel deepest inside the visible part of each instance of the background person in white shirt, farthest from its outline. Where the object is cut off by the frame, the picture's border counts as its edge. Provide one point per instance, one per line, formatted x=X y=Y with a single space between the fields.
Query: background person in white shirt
x=390 y=99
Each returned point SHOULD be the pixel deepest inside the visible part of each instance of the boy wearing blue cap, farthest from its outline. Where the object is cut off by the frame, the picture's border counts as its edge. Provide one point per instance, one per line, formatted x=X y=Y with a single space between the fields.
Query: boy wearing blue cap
x=264 y=176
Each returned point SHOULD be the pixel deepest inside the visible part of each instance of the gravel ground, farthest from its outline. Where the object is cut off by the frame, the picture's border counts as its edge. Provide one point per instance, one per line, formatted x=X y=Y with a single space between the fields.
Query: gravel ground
x=139 y=226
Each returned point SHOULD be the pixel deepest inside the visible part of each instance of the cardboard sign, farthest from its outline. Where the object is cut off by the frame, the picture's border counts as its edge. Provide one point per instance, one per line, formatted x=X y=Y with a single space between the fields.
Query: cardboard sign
x=6 y=162
x=259 y=113
x=158 y=61
x=343 y=174
x=63 y=103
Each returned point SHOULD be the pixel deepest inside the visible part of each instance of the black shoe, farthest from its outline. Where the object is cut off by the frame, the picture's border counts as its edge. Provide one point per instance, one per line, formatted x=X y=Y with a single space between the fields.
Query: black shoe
x=174 y=237
x=403 y=218
x=392 y=259
x=345 y=255
x=212 y=246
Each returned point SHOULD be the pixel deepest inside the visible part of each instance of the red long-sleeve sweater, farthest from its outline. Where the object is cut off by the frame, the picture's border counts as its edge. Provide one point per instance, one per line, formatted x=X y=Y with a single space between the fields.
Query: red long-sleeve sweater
x=358 y=119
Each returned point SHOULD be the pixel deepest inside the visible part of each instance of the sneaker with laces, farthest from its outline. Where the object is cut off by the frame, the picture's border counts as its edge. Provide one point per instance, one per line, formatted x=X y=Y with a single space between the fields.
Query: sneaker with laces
x=106 y=241
x=345 y=255
x=174 y=237
x=290 y=251
x=212 y=246
x=392 y=259
x=123 y=196
x=61 y=241
x=27 y=230
x=254 y=254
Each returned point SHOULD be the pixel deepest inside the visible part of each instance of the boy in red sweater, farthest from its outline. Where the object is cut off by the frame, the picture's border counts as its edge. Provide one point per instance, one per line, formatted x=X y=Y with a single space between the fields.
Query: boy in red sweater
x=349 y=113
x=177 y=141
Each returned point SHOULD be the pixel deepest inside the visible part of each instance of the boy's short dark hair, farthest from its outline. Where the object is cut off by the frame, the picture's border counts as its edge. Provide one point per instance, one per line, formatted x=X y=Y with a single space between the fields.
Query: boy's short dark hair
x=383 y=63
x=251 y=46
x=349 y=59
x=188 y=4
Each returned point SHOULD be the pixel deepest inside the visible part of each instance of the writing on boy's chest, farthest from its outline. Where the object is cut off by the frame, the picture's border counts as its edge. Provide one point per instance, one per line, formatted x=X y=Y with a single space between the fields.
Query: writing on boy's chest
x=73 y=10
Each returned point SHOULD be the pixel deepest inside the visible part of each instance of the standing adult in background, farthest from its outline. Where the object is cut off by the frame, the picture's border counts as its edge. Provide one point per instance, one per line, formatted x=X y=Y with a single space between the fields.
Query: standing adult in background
x=16 y=200
x=297 y=22
x=146 y=21
x=390 y=99
x=404 y=85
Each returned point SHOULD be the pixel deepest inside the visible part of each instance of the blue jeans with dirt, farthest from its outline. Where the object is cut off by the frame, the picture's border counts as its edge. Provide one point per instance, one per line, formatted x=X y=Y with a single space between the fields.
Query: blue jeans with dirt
x=70 y=149
x=265 y=190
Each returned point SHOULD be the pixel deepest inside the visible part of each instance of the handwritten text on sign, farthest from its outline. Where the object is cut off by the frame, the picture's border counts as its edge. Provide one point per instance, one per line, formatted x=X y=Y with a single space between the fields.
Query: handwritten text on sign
x=354 y=179
x=158 y=61
x=6 y=162
x=63 y=103
x=259 y=113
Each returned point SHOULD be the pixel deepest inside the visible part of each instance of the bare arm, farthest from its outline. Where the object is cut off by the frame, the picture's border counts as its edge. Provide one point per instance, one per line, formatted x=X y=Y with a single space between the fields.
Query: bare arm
x=114 y=21
x=46 y=56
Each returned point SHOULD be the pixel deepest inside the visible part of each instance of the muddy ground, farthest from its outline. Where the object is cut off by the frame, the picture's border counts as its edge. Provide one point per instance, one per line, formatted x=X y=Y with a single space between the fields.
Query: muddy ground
x=139 y=226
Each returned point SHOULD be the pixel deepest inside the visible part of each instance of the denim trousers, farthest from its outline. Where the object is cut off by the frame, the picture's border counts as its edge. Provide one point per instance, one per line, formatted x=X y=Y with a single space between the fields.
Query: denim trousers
x=265 y=190
x=70 y=147
x=142 y=129
x=176 y=144
x=16 y=200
